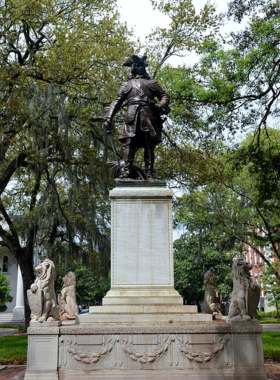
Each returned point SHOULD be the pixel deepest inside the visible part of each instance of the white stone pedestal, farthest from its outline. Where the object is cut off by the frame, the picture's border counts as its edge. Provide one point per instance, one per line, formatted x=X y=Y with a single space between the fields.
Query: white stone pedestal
x=142 y=279
x=42 y=356
x=142 y=249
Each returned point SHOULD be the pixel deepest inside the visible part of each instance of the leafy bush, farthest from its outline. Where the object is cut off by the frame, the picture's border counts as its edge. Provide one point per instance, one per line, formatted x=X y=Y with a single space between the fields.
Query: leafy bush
x=269 y=314
x=4 y=291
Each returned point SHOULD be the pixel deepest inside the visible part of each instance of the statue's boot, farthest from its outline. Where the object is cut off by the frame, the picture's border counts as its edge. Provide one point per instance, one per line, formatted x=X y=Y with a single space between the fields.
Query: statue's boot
x=149 y=158
x=129 y=154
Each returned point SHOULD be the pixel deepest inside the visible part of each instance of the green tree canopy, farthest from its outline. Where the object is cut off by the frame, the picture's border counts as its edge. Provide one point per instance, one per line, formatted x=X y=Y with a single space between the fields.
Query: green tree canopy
x=242 y=207
x=59 y=63
x=195 y=254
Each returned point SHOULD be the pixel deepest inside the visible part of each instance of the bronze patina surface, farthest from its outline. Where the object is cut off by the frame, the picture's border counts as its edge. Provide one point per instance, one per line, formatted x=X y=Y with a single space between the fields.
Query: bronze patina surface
x=142 y=126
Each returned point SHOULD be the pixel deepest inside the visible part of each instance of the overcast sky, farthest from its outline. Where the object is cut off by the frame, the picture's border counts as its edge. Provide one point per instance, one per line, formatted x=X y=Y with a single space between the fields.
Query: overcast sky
x=140 y=16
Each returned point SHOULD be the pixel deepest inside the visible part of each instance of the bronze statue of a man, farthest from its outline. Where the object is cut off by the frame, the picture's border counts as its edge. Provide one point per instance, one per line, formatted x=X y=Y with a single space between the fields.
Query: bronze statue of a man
x=142 y=125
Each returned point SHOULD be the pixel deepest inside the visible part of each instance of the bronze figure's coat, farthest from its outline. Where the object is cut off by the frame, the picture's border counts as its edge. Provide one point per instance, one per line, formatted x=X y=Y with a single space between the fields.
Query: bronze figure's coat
x=142 y=127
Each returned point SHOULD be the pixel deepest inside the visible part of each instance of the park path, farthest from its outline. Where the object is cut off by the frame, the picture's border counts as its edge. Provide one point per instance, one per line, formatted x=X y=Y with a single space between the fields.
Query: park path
x=15 y=372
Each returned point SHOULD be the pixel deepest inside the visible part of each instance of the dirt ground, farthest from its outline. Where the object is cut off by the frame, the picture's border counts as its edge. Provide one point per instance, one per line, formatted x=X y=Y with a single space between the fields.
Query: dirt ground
x=272 y=369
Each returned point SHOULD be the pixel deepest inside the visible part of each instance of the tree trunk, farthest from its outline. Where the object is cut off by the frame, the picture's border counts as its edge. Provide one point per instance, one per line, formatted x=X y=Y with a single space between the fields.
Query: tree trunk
x=25 y=261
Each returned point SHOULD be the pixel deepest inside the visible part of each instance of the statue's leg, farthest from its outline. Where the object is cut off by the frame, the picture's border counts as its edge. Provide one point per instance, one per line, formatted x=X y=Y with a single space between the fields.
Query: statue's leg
x=129 y=154
x=149 y=156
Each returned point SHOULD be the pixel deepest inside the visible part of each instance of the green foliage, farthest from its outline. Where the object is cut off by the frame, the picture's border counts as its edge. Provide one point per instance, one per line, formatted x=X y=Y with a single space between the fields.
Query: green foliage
x=234 y=89
x=54 y=87
x=193 y=256
x=91 y=287
x=187 y=30
x=268 y=314
x=59 y=66
x=13 y=349
x=4 y=291
x=236 y=208
x=241 y=75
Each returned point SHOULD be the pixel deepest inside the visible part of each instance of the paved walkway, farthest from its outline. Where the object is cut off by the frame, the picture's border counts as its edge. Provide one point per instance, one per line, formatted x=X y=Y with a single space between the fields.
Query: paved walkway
x=15 y=372
x=273 y=328
x=6 y=332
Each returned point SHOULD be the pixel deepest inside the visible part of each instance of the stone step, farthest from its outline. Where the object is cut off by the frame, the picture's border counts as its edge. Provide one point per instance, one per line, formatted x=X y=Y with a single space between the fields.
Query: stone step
x=8 y=320
x=142 y=300
x=143 y=296
x=142 y=318
x=144 y=309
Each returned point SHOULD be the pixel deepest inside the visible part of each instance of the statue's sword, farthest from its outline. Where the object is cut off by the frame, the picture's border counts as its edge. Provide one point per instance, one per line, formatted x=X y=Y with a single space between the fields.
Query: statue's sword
x=114 y=150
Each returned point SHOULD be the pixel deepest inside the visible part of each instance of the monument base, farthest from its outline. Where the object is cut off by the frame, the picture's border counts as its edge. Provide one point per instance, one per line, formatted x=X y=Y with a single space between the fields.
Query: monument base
x=143 y=296
x=142 y=317
x=208 y=351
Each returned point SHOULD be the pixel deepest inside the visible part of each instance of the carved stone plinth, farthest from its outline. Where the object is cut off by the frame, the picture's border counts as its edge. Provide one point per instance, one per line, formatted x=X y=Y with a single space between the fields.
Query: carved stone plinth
x=43 y=351
x=169 y=352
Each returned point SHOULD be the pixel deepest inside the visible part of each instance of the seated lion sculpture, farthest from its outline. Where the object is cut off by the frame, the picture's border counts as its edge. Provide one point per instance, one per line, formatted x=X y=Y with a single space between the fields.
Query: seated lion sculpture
x=67 y=299
x=212 y=297
x=245 y=295
x=41 y=296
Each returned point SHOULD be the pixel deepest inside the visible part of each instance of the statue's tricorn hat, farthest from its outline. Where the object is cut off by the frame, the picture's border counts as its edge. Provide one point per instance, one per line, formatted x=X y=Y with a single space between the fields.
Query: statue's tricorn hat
x=135 y=59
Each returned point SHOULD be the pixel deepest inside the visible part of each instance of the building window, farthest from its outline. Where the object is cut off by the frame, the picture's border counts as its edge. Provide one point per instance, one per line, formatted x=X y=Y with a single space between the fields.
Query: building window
x=5 y=264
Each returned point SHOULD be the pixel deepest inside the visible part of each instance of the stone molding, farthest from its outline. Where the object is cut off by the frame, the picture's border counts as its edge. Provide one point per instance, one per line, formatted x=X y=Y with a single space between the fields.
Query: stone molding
x=245 y=329
x=43 y=330
x=194 y=329
x=141 y=193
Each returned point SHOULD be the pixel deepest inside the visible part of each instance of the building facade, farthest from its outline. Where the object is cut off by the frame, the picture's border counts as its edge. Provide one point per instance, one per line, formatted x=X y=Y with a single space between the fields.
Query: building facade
x=252 y=257
x=11 y=270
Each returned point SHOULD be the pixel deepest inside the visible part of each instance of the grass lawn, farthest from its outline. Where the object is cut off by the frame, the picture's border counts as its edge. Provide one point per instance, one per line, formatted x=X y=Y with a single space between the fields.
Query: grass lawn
x=271 y=345
x=269 y=320
x=13 y=349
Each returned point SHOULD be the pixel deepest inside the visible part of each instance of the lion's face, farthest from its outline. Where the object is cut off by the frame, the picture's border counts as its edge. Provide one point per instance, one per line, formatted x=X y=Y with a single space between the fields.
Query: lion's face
x=209 y=278
x=46 y=270
x=69 y=279
x=241 y=268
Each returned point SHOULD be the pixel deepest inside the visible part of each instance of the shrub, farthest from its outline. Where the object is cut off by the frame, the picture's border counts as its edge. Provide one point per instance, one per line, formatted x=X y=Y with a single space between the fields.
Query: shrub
x=4 y=291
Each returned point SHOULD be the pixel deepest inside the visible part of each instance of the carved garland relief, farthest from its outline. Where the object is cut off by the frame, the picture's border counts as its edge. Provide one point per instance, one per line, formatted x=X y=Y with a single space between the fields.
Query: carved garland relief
x=146 y=357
